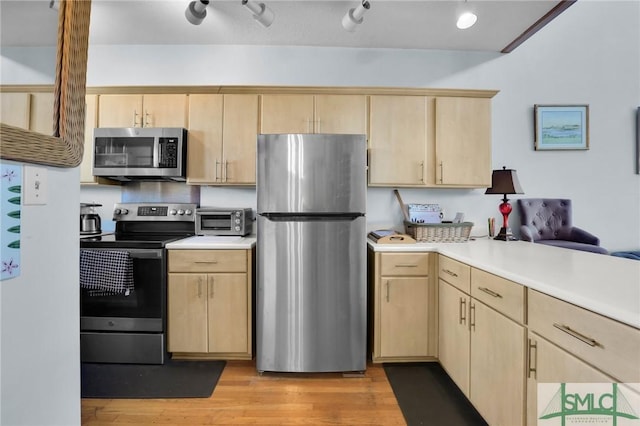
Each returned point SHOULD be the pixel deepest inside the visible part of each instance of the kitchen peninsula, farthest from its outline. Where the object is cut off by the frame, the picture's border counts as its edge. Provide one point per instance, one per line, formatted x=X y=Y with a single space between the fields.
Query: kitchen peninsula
x=508 y=315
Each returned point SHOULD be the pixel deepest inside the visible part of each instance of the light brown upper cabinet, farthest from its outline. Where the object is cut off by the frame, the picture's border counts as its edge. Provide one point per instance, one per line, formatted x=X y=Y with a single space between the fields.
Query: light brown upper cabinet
x=86 y=166
x=167 y=110
x=30 y=111
x=463 y=141
x=302 y=113
x=222 y=139
x=398 y=140
x=15 y=109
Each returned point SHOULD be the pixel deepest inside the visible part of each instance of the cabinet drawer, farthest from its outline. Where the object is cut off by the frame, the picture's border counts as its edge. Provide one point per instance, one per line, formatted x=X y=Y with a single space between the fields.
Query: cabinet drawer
x=412 y=264
x=207 y=260
x=606 y=344
x=503 y=295
x=455 y=273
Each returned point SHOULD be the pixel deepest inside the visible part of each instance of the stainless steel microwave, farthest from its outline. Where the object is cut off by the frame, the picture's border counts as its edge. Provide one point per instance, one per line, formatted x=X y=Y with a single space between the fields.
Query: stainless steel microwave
x=137 y=153
x=221 y=221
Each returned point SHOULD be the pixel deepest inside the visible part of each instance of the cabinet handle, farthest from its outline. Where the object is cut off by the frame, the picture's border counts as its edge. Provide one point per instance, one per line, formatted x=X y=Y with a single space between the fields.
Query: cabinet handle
x=441 y=172
x=135 y=119
x=211 y=289
x=218 y=163
x=585 y=339
x=406 y=265
x=226 y=171
x=472 y=310
x=147 y=122
x=206 y=261
x=463 y=310
x=490 y=292
x=199 y=288
x=453 y=274
x=422 y=170
x=531 y=367
x=387 y=291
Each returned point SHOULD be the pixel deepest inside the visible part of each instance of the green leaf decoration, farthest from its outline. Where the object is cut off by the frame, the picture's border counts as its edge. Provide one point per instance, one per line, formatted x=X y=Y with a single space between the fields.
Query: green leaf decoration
x=14 y=200
x=14 y=214
x=14 y=244
x=14 y=229
x=15 y=189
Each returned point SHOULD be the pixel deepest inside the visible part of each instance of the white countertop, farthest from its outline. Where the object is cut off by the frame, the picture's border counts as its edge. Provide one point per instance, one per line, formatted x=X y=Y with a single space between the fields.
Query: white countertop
x=214 y=243
x=607 y=285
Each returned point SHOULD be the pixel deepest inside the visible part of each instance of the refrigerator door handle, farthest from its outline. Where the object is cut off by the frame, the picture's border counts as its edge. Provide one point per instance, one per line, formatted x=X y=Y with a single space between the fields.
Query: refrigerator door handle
x=311 y=217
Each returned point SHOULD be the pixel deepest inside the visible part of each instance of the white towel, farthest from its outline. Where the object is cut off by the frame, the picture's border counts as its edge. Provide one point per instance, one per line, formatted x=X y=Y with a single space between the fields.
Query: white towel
x=106 y=272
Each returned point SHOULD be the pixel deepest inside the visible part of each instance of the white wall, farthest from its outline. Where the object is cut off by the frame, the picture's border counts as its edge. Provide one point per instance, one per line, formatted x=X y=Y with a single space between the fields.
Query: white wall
x=40 y=317
x=588 y=55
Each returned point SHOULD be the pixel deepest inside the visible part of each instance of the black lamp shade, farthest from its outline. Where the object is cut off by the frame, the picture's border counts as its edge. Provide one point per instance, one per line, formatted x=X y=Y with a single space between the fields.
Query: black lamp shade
x=504 y=181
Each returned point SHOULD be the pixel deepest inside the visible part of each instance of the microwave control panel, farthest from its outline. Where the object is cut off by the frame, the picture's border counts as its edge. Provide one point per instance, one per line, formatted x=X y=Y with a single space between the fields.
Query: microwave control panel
x=168 y=152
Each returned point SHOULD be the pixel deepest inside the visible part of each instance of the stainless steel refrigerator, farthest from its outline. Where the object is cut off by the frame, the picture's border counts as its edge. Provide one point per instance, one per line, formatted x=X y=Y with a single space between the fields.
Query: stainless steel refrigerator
x=311 y=282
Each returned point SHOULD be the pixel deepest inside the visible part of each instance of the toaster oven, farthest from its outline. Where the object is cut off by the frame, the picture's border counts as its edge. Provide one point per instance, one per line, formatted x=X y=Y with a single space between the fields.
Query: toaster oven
x=224 y=221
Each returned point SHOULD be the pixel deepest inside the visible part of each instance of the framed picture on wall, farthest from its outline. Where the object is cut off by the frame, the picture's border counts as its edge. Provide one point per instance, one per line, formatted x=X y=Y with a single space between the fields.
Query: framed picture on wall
x=561 y=127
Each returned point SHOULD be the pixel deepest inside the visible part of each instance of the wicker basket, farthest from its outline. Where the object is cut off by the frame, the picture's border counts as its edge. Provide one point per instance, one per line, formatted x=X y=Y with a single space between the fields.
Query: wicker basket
x=439 y=232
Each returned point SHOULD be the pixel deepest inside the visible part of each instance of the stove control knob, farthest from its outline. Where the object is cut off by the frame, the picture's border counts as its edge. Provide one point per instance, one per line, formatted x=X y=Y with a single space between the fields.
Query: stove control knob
x=238 y=221
x=125 y=211
x=173 y=212
x=237 y=228
x=188 y=212
x=116 y=212
x=180 y=212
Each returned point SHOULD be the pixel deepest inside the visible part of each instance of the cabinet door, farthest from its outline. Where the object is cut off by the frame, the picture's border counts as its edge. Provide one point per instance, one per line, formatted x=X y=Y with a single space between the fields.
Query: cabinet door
x=15 y=109
x=453 y=334
x=550 y=364
x=463 y=141
x=287 y=114
x=120 y=111
x=497 y=375
x=228 y=316
x=341 y=114
x=41 y=117
x=404 y=317
x=164 y=111
x=90 y=122
x=204 y=144
x=187 y=313
x=398 y=140
x=240 y=132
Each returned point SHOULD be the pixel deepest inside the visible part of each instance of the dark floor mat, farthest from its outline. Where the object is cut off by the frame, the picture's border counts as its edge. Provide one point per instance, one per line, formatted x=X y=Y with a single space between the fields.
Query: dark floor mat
x=174 y=379
x=428 y=396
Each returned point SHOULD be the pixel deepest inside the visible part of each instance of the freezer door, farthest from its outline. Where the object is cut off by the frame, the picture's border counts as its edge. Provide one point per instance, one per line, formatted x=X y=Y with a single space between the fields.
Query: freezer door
x=311 y=173
x=311 y=295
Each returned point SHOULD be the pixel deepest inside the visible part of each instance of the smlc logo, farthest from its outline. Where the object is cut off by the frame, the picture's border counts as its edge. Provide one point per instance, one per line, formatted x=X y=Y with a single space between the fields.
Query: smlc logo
x=587 y=404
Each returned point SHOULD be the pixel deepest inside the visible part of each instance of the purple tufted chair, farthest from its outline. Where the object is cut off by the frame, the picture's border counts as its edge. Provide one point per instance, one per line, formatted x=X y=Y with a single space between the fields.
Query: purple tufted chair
x=548 y=221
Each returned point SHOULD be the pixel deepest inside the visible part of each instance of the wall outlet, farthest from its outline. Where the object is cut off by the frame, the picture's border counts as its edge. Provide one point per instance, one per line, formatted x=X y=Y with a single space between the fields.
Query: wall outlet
x=35 y=186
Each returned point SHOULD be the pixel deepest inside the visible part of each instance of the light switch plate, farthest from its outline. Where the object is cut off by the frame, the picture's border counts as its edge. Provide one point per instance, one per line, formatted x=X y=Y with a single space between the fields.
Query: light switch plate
x=35 y=185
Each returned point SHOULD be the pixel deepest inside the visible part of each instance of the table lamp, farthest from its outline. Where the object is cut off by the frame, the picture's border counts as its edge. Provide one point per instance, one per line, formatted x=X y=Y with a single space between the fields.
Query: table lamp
x=504 y=182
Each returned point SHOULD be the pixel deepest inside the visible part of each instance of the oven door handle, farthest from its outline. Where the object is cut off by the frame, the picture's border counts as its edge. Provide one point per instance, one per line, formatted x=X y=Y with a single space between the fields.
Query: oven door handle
x=157 y=254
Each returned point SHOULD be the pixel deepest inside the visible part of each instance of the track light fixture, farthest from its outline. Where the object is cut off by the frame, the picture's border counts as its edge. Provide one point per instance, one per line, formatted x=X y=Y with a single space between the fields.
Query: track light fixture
x=353 y=17
x=261 y=13
x=196 y=11
x=467 y=18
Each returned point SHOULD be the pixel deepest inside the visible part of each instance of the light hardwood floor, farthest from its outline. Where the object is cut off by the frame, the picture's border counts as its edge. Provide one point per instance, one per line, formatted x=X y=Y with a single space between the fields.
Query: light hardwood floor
x=244 y=397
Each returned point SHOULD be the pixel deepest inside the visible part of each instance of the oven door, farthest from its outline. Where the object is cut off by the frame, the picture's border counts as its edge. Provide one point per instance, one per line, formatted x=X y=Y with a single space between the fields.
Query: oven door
x=143 y=310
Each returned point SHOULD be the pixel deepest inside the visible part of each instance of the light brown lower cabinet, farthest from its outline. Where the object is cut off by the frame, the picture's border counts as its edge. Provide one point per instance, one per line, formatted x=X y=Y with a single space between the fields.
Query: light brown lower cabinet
x=209 y=304
x=404 y=311
x=548 y=363
x=480 y=348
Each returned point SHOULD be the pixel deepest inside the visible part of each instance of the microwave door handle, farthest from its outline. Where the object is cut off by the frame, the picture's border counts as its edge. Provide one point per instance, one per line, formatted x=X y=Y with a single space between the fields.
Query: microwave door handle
x=156 y=153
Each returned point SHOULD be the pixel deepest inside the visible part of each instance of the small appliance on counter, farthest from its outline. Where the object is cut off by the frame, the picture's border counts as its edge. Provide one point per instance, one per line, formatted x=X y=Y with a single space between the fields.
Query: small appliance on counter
x=224 y=221
x=90 y=223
